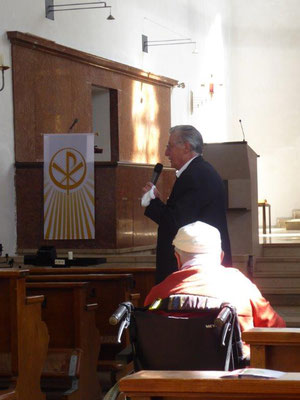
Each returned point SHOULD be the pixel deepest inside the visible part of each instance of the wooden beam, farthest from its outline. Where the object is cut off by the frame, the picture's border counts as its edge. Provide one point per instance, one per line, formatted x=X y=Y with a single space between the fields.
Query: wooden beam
x=48 y=46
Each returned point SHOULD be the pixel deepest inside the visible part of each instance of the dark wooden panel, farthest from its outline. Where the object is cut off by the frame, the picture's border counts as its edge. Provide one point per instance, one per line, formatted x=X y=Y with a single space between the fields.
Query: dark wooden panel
x=5 y=332
x=133 y=226
x=49 y=92
x=32 y=41
x=52 y=86
x=105 y=208
x=274 y=348
x=120 y=220
x=29 y=187
x=100 y=289
x=8 y=395
x=144 y=277
x=23 y=336
x=71 y=324
x=144 y=122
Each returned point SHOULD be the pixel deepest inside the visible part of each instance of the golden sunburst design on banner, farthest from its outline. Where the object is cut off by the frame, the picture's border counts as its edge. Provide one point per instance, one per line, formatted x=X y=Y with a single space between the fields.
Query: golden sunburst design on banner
x=68 y=197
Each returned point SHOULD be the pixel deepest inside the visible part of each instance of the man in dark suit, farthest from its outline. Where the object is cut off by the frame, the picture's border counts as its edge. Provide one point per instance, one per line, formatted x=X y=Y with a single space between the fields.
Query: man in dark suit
x=197 y=195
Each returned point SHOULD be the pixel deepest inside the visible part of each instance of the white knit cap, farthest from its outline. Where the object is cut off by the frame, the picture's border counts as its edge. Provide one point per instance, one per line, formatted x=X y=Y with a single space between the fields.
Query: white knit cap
x=199 y=238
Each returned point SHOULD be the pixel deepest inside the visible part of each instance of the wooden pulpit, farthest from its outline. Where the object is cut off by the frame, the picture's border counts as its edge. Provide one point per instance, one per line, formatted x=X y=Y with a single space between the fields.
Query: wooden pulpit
x=236 y=163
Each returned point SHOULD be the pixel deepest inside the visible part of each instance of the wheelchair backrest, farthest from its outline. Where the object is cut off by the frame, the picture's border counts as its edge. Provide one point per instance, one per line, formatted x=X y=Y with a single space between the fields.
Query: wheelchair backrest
x=182 y=333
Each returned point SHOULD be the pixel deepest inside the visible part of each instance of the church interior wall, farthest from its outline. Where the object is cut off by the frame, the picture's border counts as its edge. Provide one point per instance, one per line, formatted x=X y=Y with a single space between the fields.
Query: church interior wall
x=248 y=51
x=266 y=95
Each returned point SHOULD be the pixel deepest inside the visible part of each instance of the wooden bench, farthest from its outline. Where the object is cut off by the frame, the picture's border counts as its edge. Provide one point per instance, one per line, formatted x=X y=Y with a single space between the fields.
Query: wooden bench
x=143 y=277
x=71 y=323
x=8 y=395
x=274 y=348
x=108 y=290
x=23 y=337
x=204 y=385
x=61 y=372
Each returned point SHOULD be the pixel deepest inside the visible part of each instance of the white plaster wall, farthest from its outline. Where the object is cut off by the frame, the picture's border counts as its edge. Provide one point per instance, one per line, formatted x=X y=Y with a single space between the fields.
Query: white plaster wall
x=204 y=21
x=266 y=95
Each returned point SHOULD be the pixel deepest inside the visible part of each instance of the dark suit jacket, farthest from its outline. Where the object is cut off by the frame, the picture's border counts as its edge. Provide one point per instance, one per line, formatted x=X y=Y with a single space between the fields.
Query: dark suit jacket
x=197 y=195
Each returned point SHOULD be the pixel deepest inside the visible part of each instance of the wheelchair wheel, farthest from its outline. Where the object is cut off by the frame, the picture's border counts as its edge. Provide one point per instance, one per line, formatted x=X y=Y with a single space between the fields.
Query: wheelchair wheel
x=114 y=393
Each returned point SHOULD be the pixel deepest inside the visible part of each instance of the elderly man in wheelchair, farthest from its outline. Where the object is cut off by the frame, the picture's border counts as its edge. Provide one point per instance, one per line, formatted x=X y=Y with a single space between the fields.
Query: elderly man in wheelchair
x=192 y=320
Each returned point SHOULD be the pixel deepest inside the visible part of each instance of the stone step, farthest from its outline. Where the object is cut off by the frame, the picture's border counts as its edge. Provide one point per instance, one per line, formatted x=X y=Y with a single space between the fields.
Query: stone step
x=277 y=266
x=272 y=281
x=281 y=250
x=288 y=301
x=280 y=222
x=288 y=297
x=285 y=301
x=292 y=225
x=291 y=315
x=282 y=291
x=296 y=214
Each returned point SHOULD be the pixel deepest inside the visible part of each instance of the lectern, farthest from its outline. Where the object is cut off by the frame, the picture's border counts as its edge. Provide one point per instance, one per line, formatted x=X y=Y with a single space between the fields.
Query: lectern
x=236 y=163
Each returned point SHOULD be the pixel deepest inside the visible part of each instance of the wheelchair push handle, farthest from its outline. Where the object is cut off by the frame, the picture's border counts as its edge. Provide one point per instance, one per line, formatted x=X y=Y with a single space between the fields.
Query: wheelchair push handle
x=223 y=316
x=123 y=309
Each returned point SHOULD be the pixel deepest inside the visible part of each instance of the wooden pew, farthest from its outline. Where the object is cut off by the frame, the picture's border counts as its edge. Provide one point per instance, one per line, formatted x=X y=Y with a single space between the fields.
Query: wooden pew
x=8 y=395
x=144 y=277
x=204 y=385
x=71 y=324
x=108 y=290
x=23 y=337
x=274 y=348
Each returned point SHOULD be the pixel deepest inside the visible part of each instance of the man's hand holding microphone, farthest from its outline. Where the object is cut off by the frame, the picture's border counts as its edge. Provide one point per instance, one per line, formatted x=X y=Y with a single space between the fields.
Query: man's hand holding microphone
x=149 y=190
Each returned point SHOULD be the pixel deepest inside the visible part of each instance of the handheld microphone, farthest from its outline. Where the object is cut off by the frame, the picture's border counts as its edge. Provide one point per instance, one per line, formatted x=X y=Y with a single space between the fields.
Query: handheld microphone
x=240 y=121
x=73 y=124
x=156 y=172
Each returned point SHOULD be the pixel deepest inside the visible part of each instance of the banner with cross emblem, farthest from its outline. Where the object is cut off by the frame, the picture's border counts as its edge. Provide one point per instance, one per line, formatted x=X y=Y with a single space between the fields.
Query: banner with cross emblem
x=69 y=195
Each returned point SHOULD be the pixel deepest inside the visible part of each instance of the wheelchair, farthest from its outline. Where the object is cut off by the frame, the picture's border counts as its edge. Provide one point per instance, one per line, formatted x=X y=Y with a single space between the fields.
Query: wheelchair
x=181 y=332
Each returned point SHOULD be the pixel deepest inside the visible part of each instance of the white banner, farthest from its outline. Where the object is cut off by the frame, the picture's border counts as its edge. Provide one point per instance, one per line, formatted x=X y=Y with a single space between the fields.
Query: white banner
x=69 y=195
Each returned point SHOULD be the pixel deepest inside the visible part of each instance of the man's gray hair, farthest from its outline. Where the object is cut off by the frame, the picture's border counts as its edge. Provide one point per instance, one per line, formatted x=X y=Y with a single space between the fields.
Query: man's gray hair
x=187 y=133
